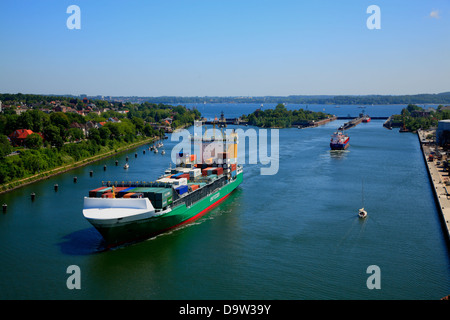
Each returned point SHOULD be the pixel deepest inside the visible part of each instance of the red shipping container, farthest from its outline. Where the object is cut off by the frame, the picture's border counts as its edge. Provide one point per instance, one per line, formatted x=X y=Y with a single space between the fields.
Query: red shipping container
x=107 y=195
x=218 y=171
x=194 y=187
x=185 y=175
x=93 y=193
x=205 y=171
x=233 y=167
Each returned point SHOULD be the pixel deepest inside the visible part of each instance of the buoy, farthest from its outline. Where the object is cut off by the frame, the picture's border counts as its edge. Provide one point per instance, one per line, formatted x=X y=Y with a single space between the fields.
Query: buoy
x=33 y=195
x=143 y=151
x=56 y=187
x=104 y=167
x=75 y=179
x=135 y=155
x=91 y=173
x=5 y=207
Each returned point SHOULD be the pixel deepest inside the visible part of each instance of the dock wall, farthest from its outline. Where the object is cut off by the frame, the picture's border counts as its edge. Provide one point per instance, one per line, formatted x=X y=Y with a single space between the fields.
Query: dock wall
x=438 y=185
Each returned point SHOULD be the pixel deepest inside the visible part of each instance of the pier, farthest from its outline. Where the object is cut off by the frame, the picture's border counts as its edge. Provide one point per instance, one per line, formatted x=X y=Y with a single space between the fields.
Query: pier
x=223 y=122
x=439 y=177
x=351 y=118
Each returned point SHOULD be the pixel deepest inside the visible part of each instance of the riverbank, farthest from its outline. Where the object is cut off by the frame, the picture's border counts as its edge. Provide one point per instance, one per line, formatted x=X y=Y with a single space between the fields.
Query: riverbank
x=10 y=186
x=440 y=180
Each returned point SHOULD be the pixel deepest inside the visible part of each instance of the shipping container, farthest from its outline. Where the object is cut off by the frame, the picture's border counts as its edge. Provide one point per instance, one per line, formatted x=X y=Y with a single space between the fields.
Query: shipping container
x=127 y=190
x=128 y=195
x=233 y=167
x=160 y=204
x=182 y=189
x=195 y=173
x=184 y=175
x=194 y=187
x=93 y=193
x=119 y=189
x=102 y=191
x=107 y=195
x=162 y=193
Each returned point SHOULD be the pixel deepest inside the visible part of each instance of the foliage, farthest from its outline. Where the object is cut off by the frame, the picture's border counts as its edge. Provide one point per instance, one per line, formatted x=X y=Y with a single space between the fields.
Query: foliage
x=414 y=117
x=280 y=117
x=64 y=142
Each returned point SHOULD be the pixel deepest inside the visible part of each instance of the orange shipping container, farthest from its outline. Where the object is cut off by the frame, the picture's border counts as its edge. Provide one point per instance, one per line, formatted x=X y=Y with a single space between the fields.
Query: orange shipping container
x=193 y=157
x=128 y=195
x=233 y=167
x=194 y=187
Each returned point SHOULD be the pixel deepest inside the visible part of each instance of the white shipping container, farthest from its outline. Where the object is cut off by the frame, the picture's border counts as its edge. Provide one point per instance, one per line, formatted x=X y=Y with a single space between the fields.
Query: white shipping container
x=195 y=172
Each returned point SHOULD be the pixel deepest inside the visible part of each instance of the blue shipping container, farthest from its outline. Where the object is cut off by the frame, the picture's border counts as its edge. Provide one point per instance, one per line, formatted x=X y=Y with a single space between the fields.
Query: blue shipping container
x=127 y=190
x=182 y=189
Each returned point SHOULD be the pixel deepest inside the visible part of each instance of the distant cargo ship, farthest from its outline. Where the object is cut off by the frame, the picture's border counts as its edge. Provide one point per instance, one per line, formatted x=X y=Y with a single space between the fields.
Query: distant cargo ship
x=129 y=212
x=366 y=119
x=339 y=141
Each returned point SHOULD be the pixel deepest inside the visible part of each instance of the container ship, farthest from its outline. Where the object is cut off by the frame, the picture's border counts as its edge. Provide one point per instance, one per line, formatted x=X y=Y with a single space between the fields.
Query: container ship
x=339 y=141
x=127 y=212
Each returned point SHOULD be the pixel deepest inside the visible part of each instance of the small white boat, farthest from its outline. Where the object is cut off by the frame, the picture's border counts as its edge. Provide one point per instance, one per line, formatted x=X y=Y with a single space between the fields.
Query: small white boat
x=126 y=166
x=362 y=213
x=163 y=152
x=156 y=150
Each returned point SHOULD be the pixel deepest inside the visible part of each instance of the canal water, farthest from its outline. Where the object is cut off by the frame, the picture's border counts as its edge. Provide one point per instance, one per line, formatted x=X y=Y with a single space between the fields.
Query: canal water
x=293 y=235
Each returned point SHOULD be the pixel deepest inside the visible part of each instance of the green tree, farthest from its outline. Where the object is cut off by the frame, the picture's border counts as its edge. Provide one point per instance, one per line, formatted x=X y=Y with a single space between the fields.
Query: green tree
x=104 y=133
x=33 y=141
x=5 y=146
x=75 y=134
x=52 y=134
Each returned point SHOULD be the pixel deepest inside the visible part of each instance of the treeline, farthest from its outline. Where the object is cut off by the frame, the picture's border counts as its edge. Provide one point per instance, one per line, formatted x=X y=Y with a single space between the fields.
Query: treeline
x=62 y=140
x=280 y=117
x=414 y=117
x=440 y=98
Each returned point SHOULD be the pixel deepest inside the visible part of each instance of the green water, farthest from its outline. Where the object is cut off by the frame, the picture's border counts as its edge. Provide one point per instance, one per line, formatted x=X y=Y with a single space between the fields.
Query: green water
x=294 y=235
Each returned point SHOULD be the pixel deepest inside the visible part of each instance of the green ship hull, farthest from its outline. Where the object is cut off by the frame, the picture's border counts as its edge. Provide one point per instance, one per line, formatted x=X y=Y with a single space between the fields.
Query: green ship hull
x=179 y=215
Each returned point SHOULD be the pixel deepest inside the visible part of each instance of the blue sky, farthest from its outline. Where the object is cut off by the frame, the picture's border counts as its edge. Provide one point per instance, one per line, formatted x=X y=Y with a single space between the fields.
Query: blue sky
x=224 y=48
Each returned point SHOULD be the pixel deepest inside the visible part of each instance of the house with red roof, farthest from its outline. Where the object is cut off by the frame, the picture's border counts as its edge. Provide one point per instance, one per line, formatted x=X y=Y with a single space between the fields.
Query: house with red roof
x=18 y=137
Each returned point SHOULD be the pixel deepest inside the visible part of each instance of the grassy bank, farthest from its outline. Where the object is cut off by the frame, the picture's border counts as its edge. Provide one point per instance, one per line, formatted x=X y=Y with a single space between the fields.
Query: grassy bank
x=11 y=185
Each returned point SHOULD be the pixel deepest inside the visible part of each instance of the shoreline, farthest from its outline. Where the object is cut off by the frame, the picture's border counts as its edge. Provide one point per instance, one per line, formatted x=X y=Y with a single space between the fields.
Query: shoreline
x=63 y=169
x=438 y=178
